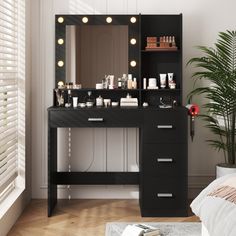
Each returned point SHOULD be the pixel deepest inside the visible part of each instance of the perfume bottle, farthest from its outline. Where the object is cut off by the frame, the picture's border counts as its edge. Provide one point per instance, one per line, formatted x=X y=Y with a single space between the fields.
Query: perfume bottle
x=69 y=99
x=124 y=81
x=90 y=100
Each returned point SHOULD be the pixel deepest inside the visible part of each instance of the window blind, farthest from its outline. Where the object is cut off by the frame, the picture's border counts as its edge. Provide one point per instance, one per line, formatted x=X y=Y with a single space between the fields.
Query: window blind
x=10 y=61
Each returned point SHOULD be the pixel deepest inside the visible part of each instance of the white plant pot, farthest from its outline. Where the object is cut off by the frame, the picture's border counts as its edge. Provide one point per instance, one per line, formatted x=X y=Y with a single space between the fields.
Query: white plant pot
x=221 y=171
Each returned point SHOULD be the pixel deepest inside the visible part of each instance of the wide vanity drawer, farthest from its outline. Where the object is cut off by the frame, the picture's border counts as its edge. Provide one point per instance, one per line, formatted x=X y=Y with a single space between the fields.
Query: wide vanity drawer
x=165 y=126
x=164 y=193
x=94 y=117
x=164 y=159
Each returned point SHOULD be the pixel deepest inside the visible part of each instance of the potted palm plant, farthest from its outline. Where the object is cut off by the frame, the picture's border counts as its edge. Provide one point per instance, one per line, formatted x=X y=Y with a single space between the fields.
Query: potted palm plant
x=218 y=70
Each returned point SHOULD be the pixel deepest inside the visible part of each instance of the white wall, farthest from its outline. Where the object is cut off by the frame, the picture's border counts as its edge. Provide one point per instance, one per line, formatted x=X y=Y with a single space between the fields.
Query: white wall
x=202 y=20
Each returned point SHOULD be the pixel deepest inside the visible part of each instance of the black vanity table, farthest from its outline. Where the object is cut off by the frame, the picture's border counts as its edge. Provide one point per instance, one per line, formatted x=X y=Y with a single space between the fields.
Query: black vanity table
x=162 y=176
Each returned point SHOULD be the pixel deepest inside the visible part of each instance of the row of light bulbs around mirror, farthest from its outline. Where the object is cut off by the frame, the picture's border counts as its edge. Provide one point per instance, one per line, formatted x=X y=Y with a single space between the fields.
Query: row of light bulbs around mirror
x=85 y=20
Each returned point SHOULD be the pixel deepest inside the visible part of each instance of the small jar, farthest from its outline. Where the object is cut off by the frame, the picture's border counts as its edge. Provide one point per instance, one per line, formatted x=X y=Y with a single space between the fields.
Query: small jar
x=99 y=101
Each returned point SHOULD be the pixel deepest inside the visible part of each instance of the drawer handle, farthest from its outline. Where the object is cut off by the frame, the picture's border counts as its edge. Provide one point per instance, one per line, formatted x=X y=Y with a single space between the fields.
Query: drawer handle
x=164 y=159
x=165 y=126
x=95 y=119
x=165 y=195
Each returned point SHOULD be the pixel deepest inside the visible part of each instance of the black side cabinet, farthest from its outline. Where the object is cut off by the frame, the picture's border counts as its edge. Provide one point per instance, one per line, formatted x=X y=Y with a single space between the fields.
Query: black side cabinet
x=163 y=169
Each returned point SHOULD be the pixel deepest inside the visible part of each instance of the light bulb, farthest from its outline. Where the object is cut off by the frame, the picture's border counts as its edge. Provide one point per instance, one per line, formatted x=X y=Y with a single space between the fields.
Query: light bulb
x=60 y=41
x=109 y=19
x=133 y=41
x=133 y=19
x=133 y=63
x=60 y=63
x=60 y=19
x=85 y=19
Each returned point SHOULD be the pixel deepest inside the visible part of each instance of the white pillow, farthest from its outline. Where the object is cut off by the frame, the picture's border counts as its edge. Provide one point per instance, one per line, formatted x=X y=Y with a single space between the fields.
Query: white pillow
x=215 y=208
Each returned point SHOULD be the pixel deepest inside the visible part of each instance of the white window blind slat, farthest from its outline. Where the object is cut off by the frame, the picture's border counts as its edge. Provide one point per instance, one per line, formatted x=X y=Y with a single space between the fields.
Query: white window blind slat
x=8 y=103
x=7 y=8
x=8 y=95
x=7 y=89
x=7 y=146
x=8 y=177
x=8 y=152
x=6 y=140
x=8 y=45
x=7 y=38
x=7 y=114
x=7 y=162
x=9 y=129
x=3 y=110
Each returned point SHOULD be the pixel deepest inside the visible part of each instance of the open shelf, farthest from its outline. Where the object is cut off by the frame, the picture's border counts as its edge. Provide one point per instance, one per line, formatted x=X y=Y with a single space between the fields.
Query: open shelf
x=160 y=50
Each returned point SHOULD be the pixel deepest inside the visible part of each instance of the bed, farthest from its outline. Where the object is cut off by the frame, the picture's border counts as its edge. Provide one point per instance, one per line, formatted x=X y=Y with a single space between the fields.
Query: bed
x=216 y=207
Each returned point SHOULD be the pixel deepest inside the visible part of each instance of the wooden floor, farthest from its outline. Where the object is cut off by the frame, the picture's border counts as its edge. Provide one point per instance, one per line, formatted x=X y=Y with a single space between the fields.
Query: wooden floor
x=80 y=217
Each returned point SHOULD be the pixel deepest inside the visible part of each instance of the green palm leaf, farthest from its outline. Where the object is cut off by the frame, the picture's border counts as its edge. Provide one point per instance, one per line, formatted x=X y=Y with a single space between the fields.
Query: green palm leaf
x=218 y=69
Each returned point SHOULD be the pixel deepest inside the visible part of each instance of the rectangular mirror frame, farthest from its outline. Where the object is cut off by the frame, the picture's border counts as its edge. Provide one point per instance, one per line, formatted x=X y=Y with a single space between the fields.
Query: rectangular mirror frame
x=61 y=21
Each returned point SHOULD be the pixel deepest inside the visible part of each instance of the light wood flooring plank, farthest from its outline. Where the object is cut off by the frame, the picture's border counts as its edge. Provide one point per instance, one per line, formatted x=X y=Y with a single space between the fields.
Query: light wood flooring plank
x=81 y=217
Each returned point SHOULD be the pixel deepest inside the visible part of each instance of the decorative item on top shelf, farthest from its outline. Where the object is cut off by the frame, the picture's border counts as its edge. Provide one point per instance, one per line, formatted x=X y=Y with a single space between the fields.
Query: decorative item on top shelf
x=128 y=101
x=90 y=101
x=165 y=43
x=125 y=82
x=61 y=85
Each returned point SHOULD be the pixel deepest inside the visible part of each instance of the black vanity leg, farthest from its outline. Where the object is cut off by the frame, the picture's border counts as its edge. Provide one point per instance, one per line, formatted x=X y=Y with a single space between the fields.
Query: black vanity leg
x=52 y=169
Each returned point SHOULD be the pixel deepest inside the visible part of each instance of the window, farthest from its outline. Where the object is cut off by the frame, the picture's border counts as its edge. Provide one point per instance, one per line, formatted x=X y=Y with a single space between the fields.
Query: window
x=12 y=96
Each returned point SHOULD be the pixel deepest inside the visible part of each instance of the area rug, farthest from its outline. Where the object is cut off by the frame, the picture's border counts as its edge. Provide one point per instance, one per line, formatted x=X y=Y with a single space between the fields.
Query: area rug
x=166 y=228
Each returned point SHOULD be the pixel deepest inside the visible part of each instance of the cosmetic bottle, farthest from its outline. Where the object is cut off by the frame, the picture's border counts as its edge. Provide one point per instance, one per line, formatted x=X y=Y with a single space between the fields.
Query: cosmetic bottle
x=144 y=83
x=129 y=83
x=69 y=99
x=75 y=102
x=134 y=83
x=99 y=101
x=90 y=99
x=119 y=84
x=124 y=81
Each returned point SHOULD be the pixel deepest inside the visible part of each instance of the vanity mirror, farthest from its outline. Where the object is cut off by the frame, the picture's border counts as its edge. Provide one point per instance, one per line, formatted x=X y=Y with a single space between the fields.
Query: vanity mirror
x=90 y=47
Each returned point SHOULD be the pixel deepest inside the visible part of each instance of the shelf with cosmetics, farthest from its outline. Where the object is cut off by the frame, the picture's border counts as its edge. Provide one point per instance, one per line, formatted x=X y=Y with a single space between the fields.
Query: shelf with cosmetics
x=161 y=59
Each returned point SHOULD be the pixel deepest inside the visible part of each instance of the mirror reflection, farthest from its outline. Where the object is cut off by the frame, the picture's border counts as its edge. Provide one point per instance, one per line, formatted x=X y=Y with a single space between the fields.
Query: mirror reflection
x=93 y=51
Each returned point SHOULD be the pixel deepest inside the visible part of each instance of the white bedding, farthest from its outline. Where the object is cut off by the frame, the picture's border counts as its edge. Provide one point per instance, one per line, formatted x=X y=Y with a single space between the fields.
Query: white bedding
x=216 y=206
